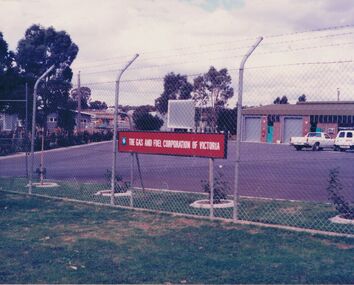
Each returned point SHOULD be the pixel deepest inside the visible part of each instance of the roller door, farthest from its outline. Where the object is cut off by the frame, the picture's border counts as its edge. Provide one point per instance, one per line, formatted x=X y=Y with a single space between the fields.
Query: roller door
x=292 y=128
x=252 y=130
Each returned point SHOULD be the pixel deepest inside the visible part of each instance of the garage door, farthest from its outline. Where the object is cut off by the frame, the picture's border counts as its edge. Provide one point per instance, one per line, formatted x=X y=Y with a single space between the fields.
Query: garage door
x=292 y=128
x=252 y=131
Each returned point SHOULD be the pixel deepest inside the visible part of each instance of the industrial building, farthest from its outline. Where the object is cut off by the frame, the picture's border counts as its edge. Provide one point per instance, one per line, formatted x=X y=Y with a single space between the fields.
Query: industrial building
x=278 y=122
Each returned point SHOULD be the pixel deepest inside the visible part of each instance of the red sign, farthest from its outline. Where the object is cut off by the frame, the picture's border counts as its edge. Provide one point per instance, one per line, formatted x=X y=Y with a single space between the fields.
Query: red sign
x=183 y=144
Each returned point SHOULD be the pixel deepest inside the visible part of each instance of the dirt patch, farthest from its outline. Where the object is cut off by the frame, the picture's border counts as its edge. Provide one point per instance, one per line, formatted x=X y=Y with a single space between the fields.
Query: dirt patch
x=233 y=226
x=160 y=226
x=337 y=245
x=255 y=231
x=344 y=246
x=109 y=231
x=291 y=210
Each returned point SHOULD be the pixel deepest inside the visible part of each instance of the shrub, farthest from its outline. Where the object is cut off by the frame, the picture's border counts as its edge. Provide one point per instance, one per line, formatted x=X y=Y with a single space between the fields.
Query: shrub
x=119 y=185
x=221 y=187
x=335 y=197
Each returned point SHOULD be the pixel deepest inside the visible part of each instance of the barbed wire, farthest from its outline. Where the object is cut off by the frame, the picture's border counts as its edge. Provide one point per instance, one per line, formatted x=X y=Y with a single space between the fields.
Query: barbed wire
x=288 y=50
x=335 y=28
x=231 y=69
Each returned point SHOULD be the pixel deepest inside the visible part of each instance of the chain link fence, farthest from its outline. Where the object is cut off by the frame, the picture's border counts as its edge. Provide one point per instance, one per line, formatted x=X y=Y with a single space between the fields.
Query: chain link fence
x=293 y=84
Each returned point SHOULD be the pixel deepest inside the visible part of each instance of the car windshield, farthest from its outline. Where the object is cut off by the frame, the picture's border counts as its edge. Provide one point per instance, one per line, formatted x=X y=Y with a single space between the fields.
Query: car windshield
x=341 y=135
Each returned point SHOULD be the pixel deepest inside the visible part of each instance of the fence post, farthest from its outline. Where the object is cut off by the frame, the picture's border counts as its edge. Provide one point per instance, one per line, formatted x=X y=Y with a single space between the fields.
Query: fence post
x=26 y=130
x=239 y=128
x=115 y=122
x=34 y=124
x=211 y=186
x=78 y=119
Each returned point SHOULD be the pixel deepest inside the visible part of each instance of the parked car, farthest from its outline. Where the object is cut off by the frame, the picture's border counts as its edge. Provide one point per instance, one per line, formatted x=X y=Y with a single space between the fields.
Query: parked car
x=344 y=140
x=315 y=140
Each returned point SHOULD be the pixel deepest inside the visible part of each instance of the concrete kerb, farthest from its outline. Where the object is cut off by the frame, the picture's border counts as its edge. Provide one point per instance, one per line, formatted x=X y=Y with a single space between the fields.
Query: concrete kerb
x=22 y=154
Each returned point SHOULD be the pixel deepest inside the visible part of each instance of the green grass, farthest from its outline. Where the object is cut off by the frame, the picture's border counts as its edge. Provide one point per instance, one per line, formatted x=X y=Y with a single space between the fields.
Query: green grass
x=309 y=215
x=47 y=241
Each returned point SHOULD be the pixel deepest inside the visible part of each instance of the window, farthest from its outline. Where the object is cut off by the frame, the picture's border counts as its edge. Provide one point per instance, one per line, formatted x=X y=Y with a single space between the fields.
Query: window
x=349 y=134
x=327 y=136
x=52 y=119
x=341 y=134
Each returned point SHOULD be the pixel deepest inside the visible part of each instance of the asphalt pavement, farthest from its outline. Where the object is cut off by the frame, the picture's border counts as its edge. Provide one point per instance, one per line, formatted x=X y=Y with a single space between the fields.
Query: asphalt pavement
x=267 y=170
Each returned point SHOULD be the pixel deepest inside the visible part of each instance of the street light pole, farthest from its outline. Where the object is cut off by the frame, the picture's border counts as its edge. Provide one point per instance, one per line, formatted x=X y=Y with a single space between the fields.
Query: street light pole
x=115 y=122
x=34 y=124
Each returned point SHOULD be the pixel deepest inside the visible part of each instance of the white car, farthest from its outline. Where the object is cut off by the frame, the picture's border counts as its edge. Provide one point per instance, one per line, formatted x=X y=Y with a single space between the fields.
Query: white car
x=314 y=140
x=344 y=140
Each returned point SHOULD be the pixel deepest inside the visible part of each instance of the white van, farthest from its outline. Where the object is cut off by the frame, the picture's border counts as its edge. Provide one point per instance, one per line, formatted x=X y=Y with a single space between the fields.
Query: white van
x=344 y=140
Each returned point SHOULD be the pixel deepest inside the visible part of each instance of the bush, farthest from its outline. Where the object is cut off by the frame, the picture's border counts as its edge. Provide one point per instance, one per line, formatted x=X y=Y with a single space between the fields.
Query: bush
x=335 y=197
x=119 y=185
x=221 y=188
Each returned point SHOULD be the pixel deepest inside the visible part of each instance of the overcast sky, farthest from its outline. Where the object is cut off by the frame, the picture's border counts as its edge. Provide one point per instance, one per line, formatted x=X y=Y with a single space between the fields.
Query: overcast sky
x=188 y=36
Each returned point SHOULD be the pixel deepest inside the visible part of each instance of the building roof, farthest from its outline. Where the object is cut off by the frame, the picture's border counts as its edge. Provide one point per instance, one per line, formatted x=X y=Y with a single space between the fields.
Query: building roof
x=339 y=108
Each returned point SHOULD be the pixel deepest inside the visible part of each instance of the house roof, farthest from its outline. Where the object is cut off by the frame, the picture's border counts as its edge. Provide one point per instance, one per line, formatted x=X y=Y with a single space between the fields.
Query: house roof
x=339 y=108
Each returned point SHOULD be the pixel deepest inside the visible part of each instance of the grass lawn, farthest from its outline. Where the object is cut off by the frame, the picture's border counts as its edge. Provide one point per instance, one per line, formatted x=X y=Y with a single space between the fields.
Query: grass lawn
x=310 y=215
x=47 y=241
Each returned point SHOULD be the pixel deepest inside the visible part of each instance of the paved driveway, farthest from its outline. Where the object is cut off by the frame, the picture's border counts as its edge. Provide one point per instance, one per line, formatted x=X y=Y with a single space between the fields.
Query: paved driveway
x=272 y=171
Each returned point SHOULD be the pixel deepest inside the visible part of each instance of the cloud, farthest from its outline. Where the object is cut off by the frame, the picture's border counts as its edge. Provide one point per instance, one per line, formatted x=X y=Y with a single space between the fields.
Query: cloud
x=187 y=36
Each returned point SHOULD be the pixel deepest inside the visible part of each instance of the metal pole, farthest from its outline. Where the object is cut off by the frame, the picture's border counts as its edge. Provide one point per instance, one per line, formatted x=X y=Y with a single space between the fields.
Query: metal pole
x=78 y=128
x=41 y=168
x=34 y=124
x=114 y=143
x=211 y=186
x=26 y=131
x=239 y=128
x=131 y=169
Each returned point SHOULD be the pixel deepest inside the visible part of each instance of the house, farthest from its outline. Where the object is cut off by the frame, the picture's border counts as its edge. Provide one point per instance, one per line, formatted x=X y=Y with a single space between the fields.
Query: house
x=276 y=123
x=85 y=118
x=104 y=120
x=8 y=122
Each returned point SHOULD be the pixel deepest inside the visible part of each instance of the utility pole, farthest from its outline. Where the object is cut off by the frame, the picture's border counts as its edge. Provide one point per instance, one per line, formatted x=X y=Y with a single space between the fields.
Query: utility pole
x=338 y=94
x=78 y=103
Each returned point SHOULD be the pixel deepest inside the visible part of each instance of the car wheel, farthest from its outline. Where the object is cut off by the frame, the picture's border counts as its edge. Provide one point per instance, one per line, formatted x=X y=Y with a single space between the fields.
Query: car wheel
x=298 y=148
x=336 y=148
x=316 y=147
